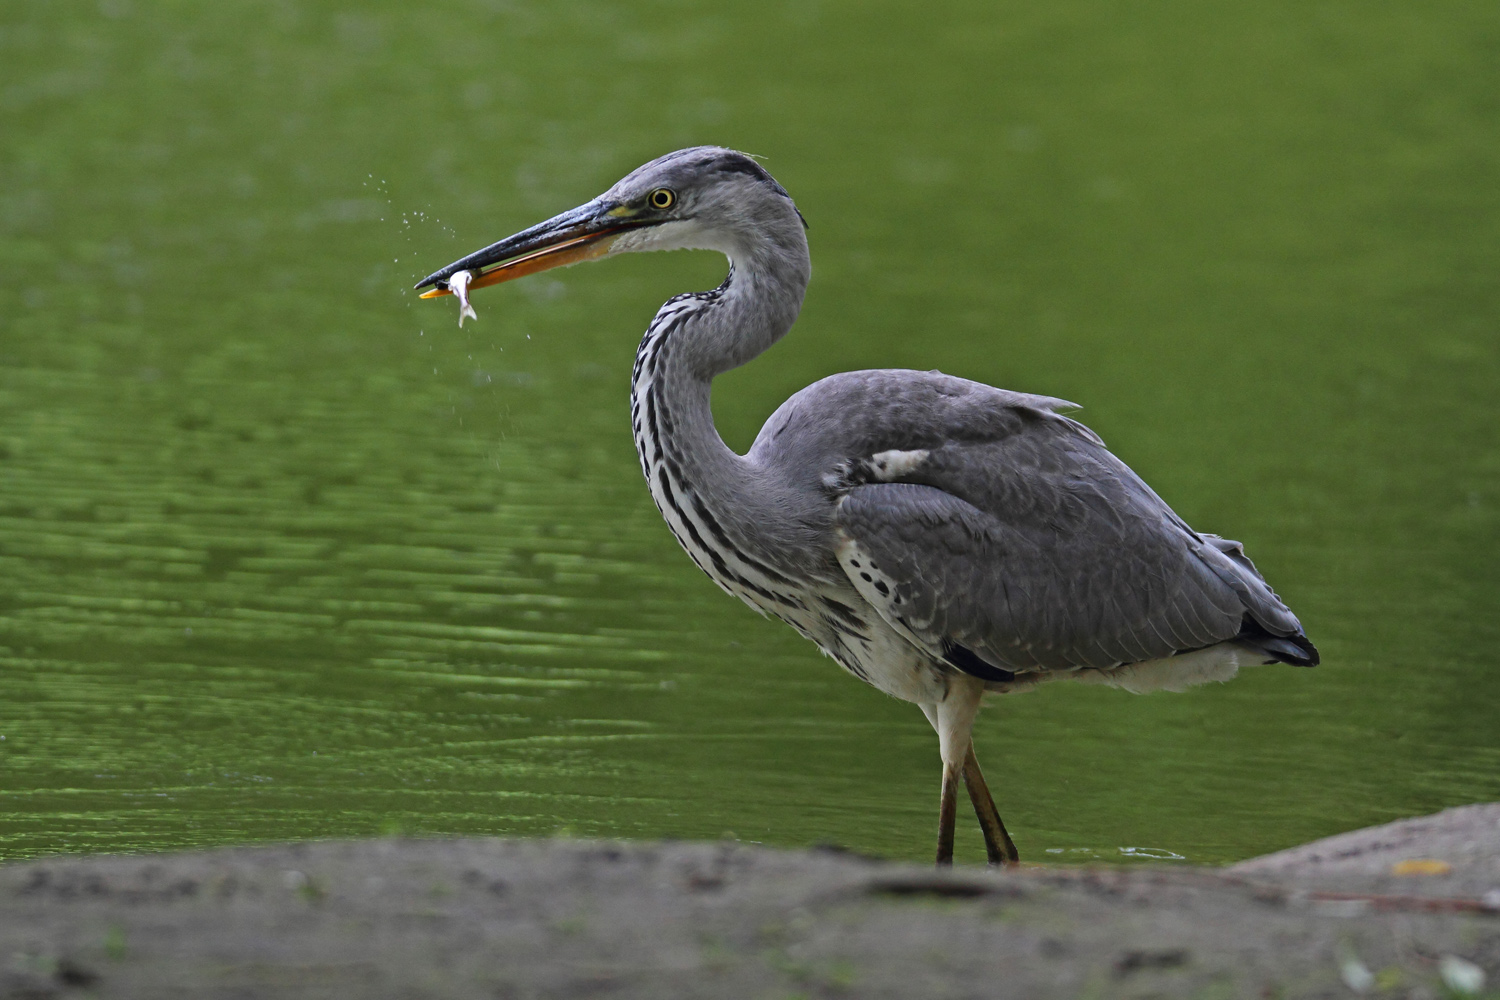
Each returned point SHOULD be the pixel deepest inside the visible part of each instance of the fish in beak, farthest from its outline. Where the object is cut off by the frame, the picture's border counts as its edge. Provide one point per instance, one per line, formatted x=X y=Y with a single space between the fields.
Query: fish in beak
x=584 y=233
x=458 y=284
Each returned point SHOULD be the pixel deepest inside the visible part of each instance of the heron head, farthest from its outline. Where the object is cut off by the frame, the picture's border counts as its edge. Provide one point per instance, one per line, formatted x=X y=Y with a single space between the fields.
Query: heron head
x=703 y=198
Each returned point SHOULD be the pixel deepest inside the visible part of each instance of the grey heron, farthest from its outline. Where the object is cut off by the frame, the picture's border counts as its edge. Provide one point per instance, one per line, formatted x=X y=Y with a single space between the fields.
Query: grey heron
x=939 y=538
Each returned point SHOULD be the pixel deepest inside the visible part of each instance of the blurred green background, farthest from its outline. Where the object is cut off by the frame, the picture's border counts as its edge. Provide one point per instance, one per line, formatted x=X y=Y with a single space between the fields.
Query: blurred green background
x=284 y=553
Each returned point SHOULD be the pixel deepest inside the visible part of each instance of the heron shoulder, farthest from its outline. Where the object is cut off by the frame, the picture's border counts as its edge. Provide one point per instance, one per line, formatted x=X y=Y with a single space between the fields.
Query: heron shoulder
x=861 y=413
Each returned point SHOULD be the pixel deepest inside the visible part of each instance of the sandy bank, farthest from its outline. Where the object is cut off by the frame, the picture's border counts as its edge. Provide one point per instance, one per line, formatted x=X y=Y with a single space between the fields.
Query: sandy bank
x=523 y=919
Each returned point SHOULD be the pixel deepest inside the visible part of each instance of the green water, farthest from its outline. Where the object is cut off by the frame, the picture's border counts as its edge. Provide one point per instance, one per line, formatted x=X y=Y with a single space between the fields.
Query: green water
x=285 y=554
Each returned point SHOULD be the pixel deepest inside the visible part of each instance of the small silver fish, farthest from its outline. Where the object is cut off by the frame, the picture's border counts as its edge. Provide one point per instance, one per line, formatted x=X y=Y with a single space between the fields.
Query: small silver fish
x=458 y=283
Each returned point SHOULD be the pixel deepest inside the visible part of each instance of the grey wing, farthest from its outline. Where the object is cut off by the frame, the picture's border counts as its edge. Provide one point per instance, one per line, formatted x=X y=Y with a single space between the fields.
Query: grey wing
x=1037 y=549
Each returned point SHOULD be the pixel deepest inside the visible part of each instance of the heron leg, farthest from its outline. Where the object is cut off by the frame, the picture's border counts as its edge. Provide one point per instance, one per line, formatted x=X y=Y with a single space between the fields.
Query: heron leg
x=997 y=843
x=953 y=718
x=947 y=815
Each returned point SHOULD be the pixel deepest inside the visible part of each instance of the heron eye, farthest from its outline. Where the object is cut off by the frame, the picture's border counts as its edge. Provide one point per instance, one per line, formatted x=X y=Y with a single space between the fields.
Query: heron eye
x=662 y=198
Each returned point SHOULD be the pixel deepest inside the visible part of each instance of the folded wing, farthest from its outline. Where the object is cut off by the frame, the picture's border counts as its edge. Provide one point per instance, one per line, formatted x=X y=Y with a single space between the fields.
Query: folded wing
x=1036 y=549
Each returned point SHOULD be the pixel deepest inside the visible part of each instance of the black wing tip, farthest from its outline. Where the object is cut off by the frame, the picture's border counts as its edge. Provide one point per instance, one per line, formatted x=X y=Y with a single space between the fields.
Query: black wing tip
x=1296 y=649
x=1310 y=657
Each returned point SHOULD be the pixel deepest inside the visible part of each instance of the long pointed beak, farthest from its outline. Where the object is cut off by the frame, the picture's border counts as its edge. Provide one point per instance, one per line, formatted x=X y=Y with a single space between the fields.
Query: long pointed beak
x=583 y=233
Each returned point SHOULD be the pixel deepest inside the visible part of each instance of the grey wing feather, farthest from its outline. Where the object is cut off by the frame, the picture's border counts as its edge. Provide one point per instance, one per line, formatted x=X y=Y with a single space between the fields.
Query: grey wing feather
x=856 y=414
x=1021 y=538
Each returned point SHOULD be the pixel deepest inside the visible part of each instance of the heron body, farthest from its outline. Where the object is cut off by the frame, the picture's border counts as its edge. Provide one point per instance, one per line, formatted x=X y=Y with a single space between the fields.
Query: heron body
x=939 y=538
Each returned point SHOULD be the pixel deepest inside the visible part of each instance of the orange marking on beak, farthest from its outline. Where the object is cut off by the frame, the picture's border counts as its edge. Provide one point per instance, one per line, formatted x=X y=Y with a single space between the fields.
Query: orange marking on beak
x=576 y=250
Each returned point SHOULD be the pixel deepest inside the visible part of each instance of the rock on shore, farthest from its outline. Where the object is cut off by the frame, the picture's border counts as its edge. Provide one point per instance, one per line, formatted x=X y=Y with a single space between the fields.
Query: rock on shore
x=567 y=918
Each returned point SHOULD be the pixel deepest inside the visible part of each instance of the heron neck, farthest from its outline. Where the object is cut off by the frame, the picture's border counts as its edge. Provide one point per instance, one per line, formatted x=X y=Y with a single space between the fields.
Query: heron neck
x=753 y=309
x=692 y=339
x=697 y=337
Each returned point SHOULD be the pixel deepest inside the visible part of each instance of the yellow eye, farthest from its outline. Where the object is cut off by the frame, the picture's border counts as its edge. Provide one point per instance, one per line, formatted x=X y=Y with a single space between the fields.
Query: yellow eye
x=662 y=198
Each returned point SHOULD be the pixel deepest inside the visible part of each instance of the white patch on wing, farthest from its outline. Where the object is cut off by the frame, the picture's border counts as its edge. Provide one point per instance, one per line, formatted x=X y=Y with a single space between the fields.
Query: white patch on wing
x=889 y=466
